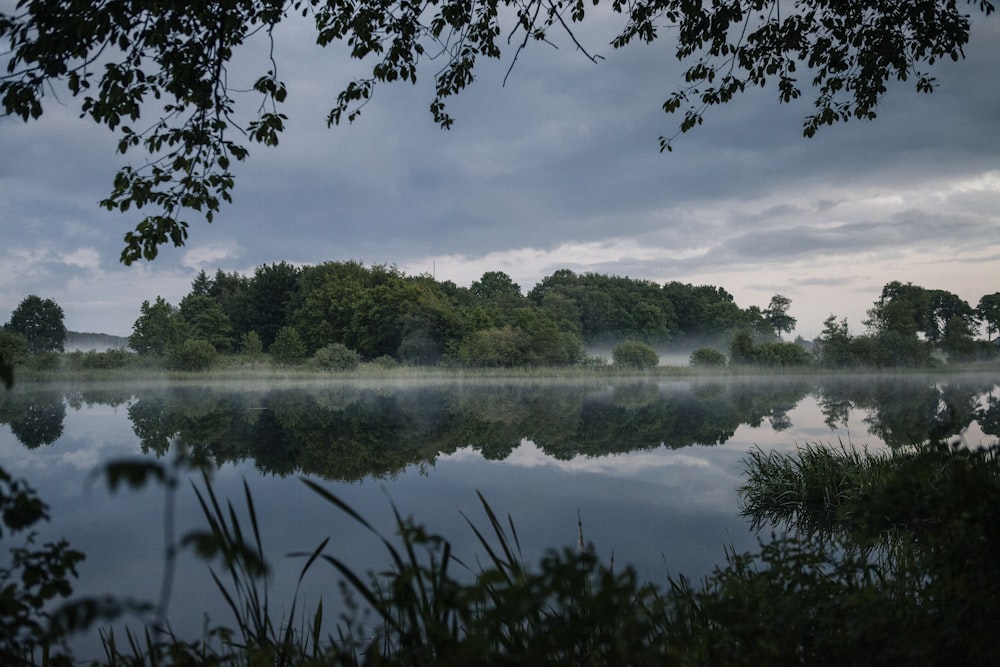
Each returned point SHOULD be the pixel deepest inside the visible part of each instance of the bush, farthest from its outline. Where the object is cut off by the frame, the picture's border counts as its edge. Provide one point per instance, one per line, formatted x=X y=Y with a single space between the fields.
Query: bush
x=337 y=357
x=385 y=361
x=287 y=347
x=192 y=355
x=111 y=358
x=781 y=354
x=45 y=361
x=502 y=348
x=13 y=347
x=250 y=345
x=707 y=356
x=634 y=354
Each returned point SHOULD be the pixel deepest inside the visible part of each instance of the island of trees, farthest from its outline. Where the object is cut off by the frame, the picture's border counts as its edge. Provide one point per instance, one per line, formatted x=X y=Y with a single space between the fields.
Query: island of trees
x=337 y=315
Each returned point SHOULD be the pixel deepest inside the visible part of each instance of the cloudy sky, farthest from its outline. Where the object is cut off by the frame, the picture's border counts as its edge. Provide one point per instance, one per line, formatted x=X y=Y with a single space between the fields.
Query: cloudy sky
x=559 y=168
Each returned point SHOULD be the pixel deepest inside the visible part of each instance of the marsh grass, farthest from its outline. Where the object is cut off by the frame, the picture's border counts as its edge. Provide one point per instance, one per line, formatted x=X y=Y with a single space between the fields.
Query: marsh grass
x=814 y=490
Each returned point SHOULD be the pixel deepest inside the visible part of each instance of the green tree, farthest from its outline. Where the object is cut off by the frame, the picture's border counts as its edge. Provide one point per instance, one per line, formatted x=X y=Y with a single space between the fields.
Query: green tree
x=13 y=348
x=834 y=343
x=988 y=311
x=205 y=320
x=157 y=328
x=183 y=57
x=777 y=315
x=287 y=347
x=741 y=348
x=40 y=321
x=271 y=289
x=251 y=345
x=957 y=340
x=945 y=306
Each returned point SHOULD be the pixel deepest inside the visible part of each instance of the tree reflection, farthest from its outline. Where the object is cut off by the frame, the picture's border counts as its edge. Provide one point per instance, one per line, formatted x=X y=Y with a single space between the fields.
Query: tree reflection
x=351 y=432
x=35 y=418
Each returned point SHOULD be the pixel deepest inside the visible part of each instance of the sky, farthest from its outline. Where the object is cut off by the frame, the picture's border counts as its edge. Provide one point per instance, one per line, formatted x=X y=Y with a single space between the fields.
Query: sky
x=559 y=167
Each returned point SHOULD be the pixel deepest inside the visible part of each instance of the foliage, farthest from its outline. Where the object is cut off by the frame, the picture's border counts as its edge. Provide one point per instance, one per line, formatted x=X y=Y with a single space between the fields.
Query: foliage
x=157 y=329
x=777 y=315
x=31 y=579
x=13 y=348
x=707 y=356
x=775 y=354
x=111 y=358
x=251 y=345
x=600 y=307
x=193 y=354
x=385 y=361
x=741 y=348
x=46 y=361
x=287 y=347
x=921 y=513
x=204 y=319
x=988 y=310
x=337 y=357
x=40 y=321
x=504 y=348
x=781 y=354
x=634 y=354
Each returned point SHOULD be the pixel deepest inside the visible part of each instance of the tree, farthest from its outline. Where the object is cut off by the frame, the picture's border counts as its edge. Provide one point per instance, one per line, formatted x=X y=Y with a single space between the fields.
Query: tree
x=287 y=347
x=157 y=328
x=834 y=344
x=988 y=311
x=777 y=314
x=40 y=321
x=174 y=62
x=205 y=320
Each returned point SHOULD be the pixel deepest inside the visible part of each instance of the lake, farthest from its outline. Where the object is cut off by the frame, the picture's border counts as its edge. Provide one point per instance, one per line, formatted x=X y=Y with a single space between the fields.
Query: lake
x=650 y=467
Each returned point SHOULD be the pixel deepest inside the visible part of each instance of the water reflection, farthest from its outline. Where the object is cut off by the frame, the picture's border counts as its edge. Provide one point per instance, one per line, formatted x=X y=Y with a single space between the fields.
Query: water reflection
x=350 y=432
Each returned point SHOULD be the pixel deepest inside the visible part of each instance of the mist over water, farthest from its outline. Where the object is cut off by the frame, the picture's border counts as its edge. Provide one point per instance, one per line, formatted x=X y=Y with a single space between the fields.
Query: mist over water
x=651 y=467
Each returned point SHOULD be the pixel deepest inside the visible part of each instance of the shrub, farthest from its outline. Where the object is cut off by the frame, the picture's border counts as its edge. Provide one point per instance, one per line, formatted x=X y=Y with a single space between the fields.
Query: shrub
x=45 y=361
x=337 y=357
x=111 y=358
x=192 y=355
x=781 y=354
x=504 y=347
x=251 y=345
x=635 y=354
x=13 y=347
x=707 y=356
x=594 y=362
x=385 y=361
x=287 y=347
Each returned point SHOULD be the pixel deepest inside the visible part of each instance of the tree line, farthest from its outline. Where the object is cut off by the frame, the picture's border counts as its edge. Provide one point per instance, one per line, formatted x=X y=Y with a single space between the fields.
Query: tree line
x=338 y=314
x=377 y=312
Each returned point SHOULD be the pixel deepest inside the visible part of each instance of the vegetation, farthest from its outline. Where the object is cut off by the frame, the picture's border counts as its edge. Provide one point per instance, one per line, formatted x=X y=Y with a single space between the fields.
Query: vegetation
x=285 y=316
x=635 y=354
x=707 y=357
x=337 y=357
x=40 y=322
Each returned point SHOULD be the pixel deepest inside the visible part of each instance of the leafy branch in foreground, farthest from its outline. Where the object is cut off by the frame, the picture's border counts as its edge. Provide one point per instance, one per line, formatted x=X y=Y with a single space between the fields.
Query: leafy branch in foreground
x=132 y=60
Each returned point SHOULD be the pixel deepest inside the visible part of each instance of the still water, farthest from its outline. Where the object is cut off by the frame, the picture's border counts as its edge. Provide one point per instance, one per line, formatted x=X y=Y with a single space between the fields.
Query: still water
x=650 y=468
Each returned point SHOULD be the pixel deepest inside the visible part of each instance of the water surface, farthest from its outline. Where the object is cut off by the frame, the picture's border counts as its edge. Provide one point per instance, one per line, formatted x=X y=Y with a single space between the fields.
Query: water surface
x=651 y=468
